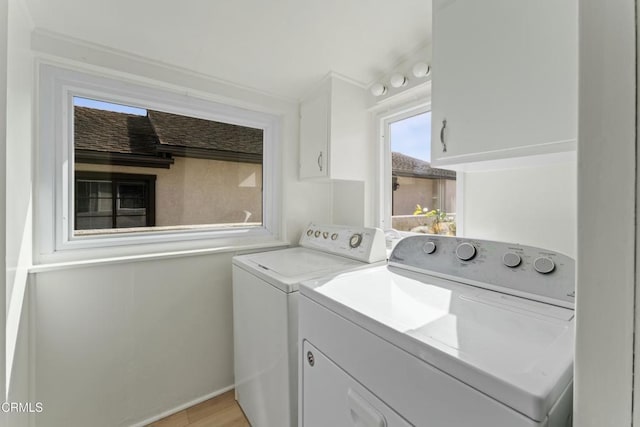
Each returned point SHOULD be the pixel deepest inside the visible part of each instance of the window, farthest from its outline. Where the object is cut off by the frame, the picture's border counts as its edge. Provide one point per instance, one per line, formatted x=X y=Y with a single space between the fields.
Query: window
x=124 y=164
x=206 y=172
x=113 y=201
x=418 y=197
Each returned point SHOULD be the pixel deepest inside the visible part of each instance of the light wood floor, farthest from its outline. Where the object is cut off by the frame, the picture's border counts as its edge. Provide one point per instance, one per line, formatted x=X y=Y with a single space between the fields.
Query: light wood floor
x=221 y=411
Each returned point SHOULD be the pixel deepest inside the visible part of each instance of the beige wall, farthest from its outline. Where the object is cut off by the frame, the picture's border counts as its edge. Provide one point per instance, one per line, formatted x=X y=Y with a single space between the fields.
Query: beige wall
x=201 y=191
x=450 y=195
x=412 y=191
x=422 y=191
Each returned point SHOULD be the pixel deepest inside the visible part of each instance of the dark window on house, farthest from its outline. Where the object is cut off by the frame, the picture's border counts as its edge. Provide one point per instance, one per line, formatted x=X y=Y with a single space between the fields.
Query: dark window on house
x=108 y=200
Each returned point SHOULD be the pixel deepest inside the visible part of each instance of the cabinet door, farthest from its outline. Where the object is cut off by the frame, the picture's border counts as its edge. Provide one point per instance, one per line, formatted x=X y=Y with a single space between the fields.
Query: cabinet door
x=504 y=78
x=314 y=136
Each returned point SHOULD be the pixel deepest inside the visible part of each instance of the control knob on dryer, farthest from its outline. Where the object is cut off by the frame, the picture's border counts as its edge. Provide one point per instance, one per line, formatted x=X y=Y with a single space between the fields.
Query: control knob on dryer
x=466 y=251
x=511 y=259
x=429 y=247
x=544 y=265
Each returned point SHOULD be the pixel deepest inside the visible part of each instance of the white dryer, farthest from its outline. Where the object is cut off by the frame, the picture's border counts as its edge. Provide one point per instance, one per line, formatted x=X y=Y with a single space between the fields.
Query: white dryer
x=453 y=332
x=265 y=313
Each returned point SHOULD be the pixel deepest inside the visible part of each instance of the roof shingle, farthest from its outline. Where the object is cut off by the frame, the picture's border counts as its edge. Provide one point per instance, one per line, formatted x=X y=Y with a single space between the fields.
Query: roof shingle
x=403 y=165
x=183 y=131
x=107 y=131
x=99 y=130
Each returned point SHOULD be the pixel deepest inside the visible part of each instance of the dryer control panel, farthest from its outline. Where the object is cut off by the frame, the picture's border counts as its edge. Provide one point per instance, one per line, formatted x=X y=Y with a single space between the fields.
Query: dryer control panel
x=359 y=243
x=526 y=271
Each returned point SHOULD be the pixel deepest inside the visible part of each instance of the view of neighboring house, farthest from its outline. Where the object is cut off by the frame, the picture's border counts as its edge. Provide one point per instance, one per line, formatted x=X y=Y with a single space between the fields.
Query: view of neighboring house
x=164 y=170
x=414 y=183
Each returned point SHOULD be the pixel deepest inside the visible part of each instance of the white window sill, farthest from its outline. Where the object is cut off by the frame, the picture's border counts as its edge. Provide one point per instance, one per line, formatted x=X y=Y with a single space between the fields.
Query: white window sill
x=55 y=266
x=167 y=228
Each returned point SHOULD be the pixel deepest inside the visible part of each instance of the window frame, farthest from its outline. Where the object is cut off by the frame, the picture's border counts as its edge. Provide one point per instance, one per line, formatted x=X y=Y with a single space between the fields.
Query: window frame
x=55 y=183
x=116 y=178
x=383 y=121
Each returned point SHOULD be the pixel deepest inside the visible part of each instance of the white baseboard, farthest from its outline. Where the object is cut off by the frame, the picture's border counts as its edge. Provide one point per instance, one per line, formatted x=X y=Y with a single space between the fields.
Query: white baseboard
x=183 y=406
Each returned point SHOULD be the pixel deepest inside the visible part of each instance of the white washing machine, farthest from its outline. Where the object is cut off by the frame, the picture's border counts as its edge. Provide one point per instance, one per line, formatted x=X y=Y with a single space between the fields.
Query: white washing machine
x=453 y=332
x=265 y=314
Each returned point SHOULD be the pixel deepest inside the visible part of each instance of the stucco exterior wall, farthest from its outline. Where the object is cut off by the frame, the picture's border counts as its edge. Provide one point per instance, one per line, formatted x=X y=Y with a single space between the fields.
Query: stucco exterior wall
x=450 y=195
x=201 y=191
x=412 y=191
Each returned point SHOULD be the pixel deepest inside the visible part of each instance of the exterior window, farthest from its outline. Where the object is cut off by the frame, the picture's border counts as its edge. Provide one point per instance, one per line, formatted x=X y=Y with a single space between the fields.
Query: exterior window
x=113 y=201
x=423 y=199
x=206 y=172
x=123 y=164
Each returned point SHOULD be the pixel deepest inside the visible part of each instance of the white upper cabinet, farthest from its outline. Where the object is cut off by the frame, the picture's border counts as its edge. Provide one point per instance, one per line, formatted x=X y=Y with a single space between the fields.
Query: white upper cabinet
x=505 y=79
x=334 y=131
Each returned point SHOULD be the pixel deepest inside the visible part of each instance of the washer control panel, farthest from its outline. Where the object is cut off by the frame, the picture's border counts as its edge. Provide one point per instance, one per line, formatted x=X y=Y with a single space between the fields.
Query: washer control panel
x=360 y=243
x=526 y=271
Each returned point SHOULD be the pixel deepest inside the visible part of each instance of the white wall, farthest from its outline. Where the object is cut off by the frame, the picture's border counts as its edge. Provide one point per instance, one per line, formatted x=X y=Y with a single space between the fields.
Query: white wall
x=533 y=205
x=19 y=368
x=18 y=202
x=607 y=193
x=19 y=141
x=117 y=343
x=349 y=203
x=4 y=25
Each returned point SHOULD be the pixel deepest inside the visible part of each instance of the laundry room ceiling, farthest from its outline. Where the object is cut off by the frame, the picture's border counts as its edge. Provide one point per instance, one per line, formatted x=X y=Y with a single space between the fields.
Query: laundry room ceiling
x=280 y=47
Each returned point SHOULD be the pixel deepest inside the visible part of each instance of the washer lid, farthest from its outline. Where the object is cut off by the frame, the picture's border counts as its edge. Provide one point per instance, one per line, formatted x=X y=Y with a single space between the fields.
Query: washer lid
x=286 y=268
x=518 y=351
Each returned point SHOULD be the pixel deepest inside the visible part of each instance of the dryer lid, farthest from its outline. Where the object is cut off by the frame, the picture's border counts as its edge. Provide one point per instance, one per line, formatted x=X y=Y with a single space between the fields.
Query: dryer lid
x=518 y=351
